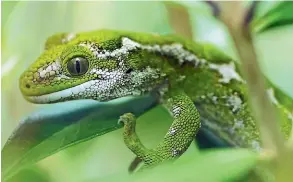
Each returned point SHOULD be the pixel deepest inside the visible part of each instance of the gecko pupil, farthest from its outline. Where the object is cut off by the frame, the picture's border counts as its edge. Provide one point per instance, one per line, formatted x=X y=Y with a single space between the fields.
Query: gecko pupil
x=77 y=66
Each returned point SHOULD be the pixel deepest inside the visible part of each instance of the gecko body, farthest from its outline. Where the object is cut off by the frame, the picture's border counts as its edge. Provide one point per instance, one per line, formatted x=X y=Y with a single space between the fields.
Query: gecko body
x=199 y=85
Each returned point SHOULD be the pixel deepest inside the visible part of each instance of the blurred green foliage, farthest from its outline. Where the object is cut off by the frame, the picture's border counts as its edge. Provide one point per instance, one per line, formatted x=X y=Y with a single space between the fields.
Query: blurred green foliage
x=25 y=27
x=278 y=16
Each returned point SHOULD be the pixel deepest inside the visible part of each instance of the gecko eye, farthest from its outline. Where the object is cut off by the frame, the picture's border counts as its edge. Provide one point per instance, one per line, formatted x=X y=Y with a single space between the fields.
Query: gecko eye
x=77 y=66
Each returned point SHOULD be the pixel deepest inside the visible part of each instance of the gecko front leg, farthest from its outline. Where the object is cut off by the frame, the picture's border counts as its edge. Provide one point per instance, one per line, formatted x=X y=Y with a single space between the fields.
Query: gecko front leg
x=179 y=136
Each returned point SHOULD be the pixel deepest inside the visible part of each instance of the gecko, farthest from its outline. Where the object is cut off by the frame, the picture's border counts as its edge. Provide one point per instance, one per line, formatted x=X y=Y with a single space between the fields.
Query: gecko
x=198 y=84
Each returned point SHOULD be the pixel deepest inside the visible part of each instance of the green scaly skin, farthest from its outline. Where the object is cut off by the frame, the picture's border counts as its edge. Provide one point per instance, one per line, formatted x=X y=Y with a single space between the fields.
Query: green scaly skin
x=198 y=84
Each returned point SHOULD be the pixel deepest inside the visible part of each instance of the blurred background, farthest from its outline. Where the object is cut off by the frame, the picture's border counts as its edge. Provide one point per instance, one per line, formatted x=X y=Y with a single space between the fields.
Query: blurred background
x=25 y=27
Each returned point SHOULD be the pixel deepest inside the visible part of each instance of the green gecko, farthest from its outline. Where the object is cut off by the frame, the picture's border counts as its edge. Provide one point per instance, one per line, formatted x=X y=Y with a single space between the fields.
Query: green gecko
x=199 y=85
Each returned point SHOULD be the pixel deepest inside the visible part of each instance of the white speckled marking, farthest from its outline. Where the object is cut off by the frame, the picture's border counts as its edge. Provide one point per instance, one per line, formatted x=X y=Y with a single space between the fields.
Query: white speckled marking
x=49 y=70
x=175 y=50
x=172 y=131
x=175 y=153
x=238 y=124
x=176 y=110
x=113 y=84
x=227 y=71
x=61 y=76
x=215 y=99
x=234 y=101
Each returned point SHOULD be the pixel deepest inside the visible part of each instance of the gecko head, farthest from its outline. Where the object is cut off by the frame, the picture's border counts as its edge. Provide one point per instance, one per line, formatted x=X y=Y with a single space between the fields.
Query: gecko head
x=83 y=66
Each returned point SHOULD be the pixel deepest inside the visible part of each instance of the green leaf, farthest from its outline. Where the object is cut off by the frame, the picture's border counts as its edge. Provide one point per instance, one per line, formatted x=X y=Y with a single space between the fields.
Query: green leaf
x=280 y=15
x=31 y=174
x=209 y=166
x=58 y=126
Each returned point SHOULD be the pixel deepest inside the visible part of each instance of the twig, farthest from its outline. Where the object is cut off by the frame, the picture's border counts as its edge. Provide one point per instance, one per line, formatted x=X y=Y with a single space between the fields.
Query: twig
x=237 y=20
x=250 y=15
x=215 y=8
x=179 y=19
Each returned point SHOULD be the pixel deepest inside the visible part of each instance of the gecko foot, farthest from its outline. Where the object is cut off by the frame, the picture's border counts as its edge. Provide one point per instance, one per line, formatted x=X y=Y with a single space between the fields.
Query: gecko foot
x=129 y=121
x=131 y=140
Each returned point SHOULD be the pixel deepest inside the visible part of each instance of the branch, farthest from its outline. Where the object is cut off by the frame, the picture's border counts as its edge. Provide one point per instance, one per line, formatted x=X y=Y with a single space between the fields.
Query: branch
x=179 y=19
x=237 y=20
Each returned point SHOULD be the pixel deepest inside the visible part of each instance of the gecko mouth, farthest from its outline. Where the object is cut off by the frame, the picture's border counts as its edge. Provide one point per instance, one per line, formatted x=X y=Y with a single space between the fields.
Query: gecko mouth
x=82 y=91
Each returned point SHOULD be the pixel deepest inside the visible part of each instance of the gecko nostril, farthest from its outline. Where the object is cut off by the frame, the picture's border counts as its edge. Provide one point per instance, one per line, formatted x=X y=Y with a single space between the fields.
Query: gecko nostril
x=27 y=85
